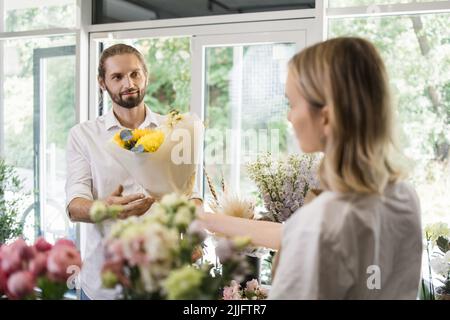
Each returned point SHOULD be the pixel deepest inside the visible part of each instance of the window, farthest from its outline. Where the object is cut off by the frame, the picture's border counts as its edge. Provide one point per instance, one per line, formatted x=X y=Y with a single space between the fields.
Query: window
x=38 y=107
x=27 y=15
x=244 y=107
x=245 y=103
x=416 y=50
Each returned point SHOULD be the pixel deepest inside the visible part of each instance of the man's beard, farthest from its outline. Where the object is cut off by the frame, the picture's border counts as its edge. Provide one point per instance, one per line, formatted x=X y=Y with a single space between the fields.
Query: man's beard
x=128 y=102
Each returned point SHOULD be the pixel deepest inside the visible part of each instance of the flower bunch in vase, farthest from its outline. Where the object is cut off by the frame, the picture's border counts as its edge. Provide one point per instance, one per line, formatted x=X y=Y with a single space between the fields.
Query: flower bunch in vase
x=284 y=184
x=40 y=270
x=159 y=255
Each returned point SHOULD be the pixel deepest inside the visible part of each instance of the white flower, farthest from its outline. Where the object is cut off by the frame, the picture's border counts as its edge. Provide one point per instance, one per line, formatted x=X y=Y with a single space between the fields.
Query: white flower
x=447 y=257
x=174 y=200
x=98 y=211
x=158 y=214
x=441 y=265
x=149 y=282
x=183 y=217
x=160 y=242
x=170 y=200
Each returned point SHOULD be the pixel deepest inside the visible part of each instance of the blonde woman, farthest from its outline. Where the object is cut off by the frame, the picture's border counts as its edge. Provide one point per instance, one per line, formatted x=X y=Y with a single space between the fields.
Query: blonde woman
x=361 y=237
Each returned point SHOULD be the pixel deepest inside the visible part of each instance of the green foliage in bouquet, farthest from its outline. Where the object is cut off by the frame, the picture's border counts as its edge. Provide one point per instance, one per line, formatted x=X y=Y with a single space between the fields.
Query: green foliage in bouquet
x=10 y=197
x=159 y=255
x=50 y=289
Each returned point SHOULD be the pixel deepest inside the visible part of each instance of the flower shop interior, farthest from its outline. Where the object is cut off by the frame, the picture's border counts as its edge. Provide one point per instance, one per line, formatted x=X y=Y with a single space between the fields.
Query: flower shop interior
x=225 y=62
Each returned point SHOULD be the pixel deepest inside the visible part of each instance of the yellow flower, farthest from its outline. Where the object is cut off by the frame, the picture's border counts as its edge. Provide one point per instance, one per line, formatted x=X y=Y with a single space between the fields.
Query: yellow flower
x=139 y=133
x=119 y=141
x=151 y=141
x=173 y=118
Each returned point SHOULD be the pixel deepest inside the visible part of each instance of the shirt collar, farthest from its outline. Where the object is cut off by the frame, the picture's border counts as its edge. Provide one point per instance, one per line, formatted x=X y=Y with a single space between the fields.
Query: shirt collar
x=149 y=121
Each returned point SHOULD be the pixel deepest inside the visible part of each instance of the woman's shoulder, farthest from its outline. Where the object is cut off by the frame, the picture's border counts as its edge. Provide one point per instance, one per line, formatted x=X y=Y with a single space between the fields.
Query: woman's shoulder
x=331 y=212
x=310 y=216
x=325 y=202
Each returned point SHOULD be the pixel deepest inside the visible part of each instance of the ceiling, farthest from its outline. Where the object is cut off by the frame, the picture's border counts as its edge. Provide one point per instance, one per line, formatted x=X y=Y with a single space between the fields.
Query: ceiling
x=129 y=10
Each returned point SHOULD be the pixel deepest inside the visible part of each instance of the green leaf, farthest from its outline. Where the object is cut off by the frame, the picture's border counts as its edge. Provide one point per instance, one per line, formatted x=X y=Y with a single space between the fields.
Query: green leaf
x=51 y=290
x=443 y=244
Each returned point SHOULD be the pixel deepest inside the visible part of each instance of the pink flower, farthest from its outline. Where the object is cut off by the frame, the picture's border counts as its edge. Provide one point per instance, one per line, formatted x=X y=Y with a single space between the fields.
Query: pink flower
x=232 y=292
x=252 y=285
x=16 y=256
x=42 y=245
x=61 y=257
x=27 y=253
x=10 y=261
x=38 y=266
x=64 y=242
x=19 y=246
x=228 y=293
x=114 y=251
x=3 y=282
x=263 y=291
x=138 y=253
x=20 y=284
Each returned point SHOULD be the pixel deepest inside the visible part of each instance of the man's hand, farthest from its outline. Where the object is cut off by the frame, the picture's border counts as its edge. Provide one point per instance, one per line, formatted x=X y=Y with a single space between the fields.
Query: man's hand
x=132 y=205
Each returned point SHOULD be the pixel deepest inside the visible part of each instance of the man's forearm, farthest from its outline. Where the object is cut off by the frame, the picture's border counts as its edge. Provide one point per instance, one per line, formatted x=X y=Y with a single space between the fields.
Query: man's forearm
x=79 y=210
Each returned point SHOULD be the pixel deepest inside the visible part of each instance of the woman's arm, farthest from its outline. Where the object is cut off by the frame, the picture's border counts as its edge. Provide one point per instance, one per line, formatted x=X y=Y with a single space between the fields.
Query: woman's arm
x=262 y=233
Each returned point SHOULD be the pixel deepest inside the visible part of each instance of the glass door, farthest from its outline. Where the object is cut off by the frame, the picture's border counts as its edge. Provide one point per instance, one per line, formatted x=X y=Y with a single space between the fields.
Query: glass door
x=240 y=95
x=54 y=81
x=239 y=91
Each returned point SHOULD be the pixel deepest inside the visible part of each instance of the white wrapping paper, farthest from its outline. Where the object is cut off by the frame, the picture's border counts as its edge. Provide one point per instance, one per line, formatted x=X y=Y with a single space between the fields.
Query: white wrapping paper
x=172 y=167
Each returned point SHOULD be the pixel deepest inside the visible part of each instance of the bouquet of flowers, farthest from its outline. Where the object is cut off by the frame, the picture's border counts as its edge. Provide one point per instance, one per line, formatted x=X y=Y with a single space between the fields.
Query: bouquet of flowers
x=41 y=270
x=161 y=160
x=252 y=291
x=437 y=236
x=158 y=255
x=284 y=184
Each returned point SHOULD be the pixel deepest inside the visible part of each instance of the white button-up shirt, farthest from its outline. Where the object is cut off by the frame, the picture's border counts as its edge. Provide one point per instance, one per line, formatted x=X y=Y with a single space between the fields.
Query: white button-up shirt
x=93 y=174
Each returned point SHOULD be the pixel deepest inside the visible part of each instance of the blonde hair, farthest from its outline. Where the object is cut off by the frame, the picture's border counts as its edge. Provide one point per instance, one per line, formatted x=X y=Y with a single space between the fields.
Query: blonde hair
x=349 y=76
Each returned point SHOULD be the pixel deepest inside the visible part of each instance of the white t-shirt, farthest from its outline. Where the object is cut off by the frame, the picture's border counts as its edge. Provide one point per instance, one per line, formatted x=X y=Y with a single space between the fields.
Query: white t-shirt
x=92 y=173
x=352 y=247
